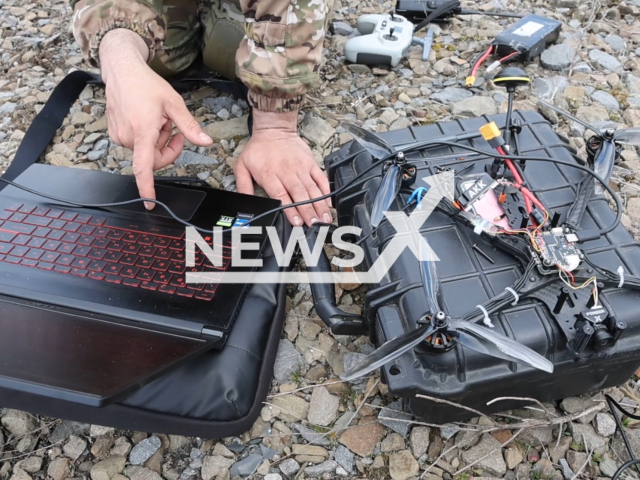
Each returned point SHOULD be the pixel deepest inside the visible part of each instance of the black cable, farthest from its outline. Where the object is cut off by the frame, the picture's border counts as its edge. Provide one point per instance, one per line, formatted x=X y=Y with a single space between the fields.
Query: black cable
x=491 y=14
x=612 y=403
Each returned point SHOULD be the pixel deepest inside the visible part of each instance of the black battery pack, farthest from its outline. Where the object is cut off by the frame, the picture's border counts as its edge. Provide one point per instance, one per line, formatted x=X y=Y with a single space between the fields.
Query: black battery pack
x=529 y=36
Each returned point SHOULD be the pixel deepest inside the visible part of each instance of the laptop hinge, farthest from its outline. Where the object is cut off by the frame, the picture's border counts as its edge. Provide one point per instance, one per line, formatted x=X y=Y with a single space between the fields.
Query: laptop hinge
x=210 y=332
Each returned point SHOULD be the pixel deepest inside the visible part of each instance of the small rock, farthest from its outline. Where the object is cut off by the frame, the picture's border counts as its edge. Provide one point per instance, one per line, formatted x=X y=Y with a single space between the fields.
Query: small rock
x=98 y=430
x=392 y=443
x=605 y=99
x=212 y=466
x=328 y=466
x=59 y=468
x=141 y=473
x=513 y=457
x=608 y=466
x=558 y=57
x=567 y=473
x=344 y=457
x=187 y=157
x=587 y=435
x=342 y=28
x=582 y=67
x=605 y=425
x=18 y=423
x=292 y=408
x=594 y=113
x=29 y=465
x=448 y=430
x=288 y=362
x=273 y=476
x=488 y=455
x=311 y=436
x=309 y=450
x=19 y=474
x=475 y=107
x=227 y=129
x=317 y=130
x=323 y=408
x=359 y=69
x=7 y=107
x=289 y=467
x=606 y=61
x=394 y=410
x=246 y=466
x=402 y=465
x=106 y=469
x=144 y=450
x=363 y=438
x=451 y=95
x=419 y=441
x=616 y=43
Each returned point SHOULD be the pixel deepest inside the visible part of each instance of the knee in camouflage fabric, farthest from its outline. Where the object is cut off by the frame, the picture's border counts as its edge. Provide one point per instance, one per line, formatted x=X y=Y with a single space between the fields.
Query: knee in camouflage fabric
x=223 y=23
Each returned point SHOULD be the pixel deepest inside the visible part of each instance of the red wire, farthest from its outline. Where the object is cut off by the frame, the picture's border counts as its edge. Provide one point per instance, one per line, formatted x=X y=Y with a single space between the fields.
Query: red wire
x=511 y=55
x=481 y=60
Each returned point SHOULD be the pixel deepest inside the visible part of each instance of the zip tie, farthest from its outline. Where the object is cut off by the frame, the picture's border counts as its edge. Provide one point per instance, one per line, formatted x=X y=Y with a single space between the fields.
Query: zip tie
x=620 y=272
x=515 y=295
x=486 y=320
x=417 y=194
x=479 y=228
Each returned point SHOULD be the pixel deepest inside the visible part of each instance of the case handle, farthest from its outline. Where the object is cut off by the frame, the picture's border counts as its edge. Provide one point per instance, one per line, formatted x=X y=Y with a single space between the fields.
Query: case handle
x=324 y=295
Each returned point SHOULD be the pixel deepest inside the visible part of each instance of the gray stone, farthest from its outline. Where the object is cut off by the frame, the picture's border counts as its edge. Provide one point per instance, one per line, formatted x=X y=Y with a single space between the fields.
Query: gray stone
x=106 y=469
x=419 y=441
x=311 y=436
x=223 y=114
x=605 y=61
x=18 y=423
x=214 y=465
x=29 y=465
x=342 y=28
x=58 y=469
x=144 y=450
x=141 y=473
x=605 y=425
x=328 y=466
x=229 y=182
x=289 y=467
x=344 y=457
x=632 y=82
x=94 y=155
x=605 y=99
x=66 y=429
x=582 y=67
x=451 y=95
x=608 y=466
x=586 y=435
x=546 y=88
x=448 y=430
x=7 y=107
x=273 y=476
x=323 y=408
x=227 y=129
x=247 y=466
x=475 y=107
x=392 y=443
x=557 y=57
x=576 y=460
x=616 y=43
x=536 y=436
x=351 y=359
x=187 y=157
x=403 y=466
x=317 y=130
x=288 y=362
x=617 y=445
x=577 y=129
x=74 y=447
x=513 y=457
x=266 y=452
x=394 y=410
x=488 y=455
x=567 y=473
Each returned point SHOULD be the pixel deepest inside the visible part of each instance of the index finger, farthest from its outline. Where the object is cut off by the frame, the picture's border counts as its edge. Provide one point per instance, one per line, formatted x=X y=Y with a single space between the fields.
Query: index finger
x=143 y=156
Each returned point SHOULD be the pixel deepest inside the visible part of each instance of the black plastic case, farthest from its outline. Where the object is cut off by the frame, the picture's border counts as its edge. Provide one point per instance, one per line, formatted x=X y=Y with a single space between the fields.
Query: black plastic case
x=468 y=279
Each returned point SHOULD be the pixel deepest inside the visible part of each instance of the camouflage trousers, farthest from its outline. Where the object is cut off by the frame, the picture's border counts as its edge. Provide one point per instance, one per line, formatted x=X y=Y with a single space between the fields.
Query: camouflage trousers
x=213 y=28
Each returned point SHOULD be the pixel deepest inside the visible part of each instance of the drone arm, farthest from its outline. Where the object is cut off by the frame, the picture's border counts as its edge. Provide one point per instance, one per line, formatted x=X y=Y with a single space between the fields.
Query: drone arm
x=578 y=207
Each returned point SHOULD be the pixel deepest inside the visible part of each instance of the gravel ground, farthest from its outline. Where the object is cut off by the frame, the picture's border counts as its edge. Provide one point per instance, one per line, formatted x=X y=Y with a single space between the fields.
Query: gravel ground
x=331 y=429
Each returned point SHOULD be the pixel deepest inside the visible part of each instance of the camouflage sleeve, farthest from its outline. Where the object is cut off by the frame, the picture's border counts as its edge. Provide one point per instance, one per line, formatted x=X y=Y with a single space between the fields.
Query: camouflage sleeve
x=281 y=53
x=93 y=19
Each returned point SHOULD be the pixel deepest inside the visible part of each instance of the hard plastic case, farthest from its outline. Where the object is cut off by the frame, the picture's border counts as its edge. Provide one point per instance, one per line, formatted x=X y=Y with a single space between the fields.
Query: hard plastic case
x=468 y=279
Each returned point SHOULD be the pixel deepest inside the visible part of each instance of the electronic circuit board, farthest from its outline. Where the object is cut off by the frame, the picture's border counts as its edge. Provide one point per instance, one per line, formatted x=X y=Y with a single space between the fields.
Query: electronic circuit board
x=557 y=248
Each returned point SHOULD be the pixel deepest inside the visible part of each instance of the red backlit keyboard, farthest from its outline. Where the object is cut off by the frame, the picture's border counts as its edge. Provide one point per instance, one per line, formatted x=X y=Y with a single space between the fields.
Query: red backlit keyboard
x=103 y=248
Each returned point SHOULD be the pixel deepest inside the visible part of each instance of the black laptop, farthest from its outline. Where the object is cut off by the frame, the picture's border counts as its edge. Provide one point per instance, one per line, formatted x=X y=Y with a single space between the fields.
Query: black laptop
x=93 y=302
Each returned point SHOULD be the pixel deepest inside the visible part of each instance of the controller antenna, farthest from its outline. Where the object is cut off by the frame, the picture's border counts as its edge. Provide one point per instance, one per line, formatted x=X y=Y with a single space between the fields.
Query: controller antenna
x=510 y=78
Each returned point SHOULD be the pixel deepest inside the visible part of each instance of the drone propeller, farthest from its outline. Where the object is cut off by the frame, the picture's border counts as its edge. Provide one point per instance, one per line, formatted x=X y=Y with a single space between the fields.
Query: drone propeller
x=371 y=142
x=470 y=335
x=606 y=140
x=387 y=192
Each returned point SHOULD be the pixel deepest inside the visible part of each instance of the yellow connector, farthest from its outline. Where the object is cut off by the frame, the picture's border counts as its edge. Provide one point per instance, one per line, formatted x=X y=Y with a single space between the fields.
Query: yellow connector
x=470 y=82
x=490 y=131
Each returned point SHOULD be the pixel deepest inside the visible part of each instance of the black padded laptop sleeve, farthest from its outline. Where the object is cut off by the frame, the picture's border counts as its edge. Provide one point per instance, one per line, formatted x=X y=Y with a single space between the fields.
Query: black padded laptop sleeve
x=218 y=394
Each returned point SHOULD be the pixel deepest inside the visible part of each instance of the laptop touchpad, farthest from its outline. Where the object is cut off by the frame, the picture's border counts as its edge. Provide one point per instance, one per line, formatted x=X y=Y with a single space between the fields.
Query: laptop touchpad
x=182 y=201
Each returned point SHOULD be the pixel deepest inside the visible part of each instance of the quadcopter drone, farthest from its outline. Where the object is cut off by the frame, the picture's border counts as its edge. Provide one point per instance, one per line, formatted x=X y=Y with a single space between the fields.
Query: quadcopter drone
x=524 y=228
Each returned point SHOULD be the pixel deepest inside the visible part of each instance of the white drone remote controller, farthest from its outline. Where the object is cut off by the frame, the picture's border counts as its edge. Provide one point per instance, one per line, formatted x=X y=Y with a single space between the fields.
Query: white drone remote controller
x=384 y=39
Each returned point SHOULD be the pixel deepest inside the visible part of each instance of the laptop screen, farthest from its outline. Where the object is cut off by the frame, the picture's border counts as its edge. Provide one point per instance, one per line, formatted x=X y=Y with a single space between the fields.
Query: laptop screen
x=72 y=356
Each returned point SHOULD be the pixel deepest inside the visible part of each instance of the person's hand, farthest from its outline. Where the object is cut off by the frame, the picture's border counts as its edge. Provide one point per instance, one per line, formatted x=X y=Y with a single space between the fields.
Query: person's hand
x=142 y=109
x=283 y=165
